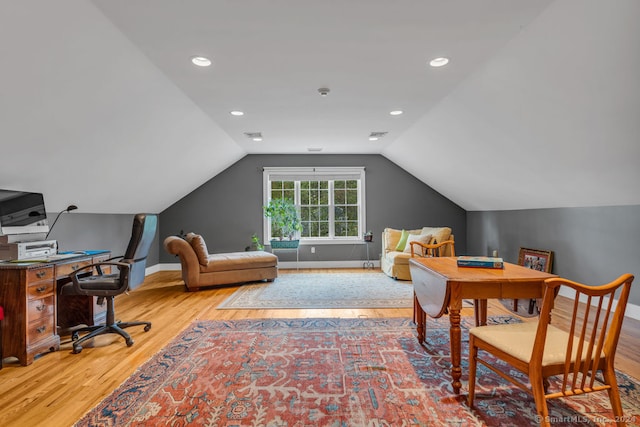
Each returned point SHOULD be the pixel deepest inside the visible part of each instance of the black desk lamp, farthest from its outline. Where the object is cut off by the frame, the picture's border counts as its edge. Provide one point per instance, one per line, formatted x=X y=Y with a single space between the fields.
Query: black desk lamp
x=69 y=209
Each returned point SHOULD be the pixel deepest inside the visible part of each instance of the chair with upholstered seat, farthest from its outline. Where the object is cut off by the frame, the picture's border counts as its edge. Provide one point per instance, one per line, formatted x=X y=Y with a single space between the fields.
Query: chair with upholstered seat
x=542 y=350
x=129 y=272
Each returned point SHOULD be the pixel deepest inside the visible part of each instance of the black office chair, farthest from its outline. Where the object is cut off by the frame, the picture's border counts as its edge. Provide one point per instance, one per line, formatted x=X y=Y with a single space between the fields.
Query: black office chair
x=130 y=273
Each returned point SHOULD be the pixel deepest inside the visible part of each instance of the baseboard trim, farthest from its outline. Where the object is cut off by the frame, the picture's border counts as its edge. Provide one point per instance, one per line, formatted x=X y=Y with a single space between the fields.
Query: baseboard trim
x=287 y=265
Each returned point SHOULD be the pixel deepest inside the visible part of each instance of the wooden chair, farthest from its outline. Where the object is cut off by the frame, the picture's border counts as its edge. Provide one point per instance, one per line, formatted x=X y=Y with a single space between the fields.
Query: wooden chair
x=541 y=350
x=431 y=250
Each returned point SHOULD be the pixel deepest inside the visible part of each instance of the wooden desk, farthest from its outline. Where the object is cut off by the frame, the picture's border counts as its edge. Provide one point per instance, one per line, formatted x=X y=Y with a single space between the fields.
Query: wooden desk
x=440 y=286
x=33 y=308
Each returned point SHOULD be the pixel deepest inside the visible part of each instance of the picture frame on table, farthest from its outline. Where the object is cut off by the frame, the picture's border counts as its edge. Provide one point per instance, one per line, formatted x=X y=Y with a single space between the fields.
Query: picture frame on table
x=536 y=259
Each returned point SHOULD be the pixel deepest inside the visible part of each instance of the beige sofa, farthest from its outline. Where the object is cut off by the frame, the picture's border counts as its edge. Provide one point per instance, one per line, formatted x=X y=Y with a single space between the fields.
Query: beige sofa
x=201 y=269
x=395 y=261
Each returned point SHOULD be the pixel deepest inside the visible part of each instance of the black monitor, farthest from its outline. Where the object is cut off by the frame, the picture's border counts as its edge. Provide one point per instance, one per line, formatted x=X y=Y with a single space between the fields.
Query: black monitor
x=22 y=212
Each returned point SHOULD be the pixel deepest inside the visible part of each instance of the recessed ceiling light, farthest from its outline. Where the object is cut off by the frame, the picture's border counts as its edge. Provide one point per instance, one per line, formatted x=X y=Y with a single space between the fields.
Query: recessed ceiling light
x=439 y=62
x=373 y=138
x=257 y=139
x=201 y=61
x=396 y=112
x=236 y=113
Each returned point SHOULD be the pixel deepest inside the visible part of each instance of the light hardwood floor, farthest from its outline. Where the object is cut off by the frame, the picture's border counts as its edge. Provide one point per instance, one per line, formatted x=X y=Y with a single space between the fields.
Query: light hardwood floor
x=58 y=388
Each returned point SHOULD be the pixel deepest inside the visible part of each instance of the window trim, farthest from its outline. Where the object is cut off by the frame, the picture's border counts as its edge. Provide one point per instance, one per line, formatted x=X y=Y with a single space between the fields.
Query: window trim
x=315 y=173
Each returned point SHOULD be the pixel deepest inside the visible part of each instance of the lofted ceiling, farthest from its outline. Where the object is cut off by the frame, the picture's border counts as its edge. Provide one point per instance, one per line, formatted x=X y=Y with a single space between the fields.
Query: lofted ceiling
x=538 y=107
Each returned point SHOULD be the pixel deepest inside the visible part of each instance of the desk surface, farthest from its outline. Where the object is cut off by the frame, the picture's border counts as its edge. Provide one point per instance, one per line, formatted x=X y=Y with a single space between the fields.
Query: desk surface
x=61 y=257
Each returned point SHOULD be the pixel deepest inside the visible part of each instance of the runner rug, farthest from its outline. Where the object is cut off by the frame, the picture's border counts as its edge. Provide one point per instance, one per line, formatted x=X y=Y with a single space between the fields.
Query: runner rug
x=324 y=290
x=325 y=372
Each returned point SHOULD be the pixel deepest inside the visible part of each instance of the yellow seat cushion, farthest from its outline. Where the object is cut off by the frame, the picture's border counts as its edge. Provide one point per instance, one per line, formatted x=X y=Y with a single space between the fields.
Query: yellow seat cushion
x=517 y=340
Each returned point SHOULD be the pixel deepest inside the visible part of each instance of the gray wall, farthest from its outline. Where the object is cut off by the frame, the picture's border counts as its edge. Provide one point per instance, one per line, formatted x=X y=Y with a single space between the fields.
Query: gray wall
x=227 y=209
x=591 y=245
x=77 y=231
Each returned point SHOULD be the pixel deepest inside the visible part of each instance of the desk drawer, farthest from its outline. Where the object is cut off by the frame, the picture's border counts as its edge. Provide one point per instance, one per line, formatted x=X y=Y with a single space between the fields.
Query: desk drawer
x=38 y=274
x=66 y=269
x=38 y=308
x=40 y=289
x=40 y=329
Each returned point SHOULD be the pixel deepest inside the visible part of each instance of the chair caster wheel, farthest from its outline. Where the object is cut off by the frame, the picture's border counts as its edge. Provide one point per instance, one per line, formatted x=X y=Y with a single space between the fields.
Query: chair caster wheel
x=129 y=342
x=77 y=349
x=146 y=328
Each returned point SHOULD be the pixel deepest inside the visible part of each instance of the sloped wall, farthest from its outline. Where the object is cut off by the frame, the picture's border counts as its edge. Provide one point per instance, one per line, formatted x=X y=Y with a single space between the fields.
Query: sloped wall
x=227 y=209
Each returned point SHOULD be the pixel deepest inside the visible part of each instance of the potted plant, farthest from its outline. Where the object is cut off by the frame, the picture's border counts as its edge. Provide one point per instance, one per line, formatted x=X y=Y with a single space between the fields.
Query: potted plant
x=285 y=222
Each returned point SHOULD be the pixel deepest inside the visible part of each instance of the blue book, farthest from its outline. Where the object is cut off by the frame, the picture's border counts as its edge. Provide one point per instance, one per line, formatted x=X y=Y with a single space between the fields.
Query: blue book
x=480 y=261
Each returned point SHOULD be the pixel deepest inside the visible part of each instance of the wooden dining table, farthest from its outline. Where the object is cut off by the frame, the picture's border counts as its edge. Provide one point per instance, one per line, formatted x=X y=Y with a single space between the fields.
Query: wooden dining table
x=440 y=287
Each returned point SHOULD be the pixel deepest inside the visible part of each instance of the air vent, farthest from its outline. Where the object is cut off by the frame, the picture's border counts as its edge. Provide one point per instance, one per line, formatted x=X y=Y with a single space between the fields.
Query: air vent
x=377 y=134
x=255 y=136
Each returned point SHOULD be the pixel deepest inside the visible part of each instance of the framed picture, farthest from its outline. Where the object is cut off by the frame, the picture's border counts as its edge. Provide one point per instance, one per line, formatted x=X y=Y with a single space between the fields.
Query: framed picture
x=536 y=259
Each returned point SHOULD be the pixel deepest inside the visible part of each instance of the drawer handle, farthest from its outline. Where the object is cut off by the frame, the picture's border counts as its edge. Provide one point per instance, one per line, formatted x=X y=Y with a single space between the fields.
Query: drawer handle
x=42 y=307
x=40 y=274
x=41 y=329
x=75 y=267
x=41 y=289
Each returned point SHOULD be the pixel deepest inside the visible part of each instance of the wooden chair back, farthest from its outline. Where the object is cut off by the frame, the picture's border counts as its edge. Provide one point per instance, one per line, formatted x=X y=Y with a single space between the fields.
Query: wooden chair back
x=432 y=250
x=595 y=325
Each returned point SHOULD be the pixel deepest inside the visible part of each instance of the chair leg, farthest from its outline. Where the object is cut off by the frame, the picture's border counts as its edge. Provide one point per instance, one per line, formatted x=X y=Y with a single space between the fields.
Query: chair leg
x=537 y=388
x=614 y=395
x=515 y=305
x=111 y=327
x=473 y=360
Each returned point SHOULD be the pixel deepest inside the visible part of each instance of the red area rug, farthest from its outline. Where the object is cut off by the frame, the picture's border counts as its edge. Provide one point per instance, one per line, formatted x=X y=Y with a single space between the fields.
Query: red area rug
x=325 y=372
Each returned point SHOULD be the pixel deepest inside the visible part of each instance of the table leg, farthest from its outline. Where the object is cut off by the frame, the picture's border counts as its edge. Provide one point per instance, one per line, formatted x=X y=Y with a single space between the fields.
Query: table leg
x=455 y=337
x=419 y=318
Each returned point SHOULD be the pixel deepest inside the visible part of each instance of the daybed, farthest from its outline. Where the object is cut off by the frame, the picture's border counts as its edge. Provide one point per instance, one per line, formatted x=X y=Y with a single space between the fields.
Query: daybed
x=201 y=269
x=395 y=259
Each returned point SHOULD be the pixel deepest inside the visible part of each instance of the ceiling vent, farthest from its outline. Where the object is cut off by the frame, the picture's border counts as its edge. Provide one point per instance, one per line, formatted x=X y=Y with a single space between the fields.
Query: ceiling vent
x=256 y=136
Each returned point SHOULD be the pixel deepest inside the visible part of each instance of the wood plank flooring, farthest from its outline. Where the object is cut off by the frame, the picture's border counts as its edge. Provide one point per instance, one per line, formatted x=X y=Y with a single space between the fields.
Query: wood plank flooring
x=58 y=388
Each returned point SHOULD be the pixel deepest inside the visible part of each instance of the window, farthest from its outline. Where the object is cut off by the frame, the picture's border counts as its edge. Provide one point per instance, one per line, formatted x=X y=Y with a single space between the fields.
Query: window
x=330 y=201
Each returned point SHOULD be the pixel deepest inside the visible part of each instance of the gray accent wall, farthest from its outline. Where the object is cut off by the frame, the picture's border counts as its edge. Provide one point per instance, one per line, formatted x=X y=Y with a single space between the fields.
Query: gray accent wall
x=227 y=209
x=83 y=231
x=591 y=245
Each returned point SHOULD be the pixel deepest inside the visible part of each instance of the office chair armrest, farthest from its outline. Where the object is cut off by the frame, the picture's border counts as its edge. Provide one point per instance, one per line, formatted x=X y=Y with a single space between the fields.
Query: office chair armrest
x=124 y=268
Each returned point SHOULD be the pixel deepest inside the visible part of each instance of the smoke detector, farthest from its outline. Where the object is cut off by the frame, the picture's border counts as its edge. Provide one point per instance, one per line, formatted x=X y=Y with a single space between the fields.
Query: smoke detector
x=324 y=91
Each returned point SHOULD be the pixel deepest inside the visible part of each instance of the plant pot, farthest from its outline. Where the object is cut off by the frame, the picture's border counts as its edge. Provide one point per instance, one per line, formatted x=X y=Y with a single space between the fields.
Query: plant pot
x=284 y=244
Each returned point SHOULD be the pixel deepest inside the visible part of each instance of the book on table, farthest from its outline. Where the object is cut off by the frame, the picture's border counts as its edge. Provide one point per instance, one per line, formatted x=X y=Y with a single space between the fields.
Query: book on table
x=480 y=261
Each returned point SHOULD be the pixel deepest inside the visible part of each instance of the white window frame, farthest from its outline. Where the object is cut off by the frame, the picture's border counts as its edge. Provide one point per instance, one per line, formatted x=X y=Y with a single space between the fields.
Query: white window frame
x=312 y=174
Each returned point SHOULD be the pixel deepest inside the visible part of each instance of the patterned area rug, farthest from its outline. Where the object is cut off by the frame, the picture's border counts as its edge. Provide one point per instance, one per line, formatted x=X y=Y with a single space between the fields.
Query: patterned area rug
x=324 y=290
x=325 y=372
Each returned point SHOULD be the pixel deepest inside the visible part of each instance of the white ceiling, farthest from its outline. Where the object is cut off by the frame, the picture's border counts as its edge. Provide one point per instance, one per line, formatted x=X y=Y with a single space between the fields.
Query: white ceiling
x=539 y=106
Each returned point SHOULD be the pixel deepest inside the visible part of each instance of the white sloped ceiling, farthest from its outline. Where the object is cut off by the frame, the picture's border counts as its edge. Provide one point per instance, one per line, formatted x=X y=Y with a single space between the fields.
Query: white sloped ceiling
x=88 y=120
x=552 y=120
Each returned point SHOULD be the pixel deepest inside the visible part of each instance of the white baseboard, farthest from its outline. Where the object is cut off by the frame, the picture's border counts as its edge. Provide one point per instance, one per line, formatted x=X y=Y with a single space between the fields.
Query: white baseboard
x=286 y=265
x=632 y=311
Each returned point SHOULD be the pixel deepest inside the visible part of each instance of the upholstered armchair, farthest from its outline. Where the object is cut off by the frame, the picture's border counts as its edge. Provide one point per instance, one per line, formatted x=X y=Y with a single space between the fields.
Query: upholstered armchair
x=397 y=246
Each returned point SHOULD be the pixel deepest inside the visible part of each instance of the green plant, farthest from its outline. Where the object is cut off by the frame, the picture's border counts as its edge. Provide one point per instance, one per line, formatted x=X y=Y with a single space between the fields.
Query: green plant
x=255 y=240
x=285 y=219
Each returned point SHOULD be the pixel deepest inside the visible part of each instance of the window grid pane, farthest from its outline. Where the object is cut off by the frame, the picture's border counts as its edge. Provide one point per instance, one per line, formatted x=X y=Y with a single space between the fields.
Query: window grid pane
x=328 y=208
